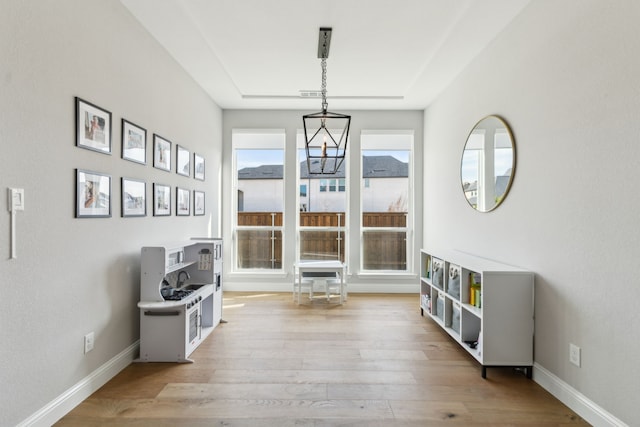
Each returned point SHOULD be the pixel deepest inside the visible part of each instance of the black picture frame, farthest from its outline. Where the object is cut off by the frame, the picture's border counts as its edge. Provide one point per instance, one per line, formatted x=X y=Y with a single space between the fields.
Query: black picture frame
x=161 y=153
x=198 y=203
x=134 y=142
x=161 y=200
x=93 y=127
x=198 y=167
x=183 y=161
x=93 y=194
x=134 y=197
x=183 y=204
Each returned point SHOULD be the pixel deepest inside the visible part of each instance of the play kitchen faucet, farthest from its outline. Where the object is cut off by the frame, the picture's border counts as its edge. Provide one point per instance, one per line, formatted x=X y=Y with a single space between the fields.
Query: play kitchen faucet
x=179 y=282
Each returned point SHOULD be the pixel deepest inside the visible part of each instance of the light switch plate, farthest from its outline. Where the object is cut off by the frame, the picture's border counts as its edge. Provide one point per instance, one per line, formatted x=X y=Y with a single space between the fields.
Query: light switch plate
x=16 y=199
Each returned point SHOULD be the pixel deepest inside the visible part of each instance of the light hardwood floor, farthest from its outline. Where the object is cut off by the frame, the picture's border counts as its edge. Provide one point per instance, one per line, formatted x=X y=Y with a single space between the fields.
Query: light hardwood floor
x=373 y=361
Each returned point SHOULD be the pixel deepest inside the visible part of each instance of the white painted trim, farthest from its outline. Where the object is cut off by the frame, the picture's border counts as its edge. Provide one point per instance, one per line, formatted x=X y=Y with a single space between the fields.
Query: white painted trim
x=71 y=398
x=373 y=288
x=579 y=403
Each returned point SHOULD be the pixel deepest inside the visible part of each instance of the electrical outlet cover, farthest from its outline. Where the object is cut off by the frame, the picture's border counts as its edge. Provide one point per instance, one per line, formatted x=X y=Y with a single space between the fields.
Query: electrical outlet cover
x=88 y=342
x=574 y=354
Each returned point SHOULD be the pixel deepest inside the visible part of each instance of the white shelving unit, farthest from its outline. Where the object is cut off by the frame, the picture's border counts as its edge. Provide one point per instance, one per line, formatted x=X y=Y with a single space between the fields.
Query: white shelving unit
x=486 y=306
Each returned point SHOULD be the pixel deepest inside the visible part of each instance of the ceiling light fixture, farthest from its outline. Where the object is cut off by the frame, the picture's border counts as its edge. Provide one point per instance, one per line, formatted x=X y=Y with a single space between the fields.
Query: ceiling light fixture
x=325 y=147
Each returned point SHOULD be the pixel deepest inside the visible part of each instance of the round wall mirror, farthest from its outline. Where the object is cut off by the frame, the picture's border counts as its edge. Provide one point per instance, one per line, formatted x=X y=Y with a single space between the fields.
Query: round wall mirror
x=488 y=164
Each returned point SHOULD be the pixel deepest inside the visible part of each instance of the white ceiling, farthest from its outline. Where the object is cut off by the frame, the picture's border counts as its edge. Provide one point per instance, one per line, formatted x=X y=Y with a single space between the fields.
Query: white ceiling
x=384 y=54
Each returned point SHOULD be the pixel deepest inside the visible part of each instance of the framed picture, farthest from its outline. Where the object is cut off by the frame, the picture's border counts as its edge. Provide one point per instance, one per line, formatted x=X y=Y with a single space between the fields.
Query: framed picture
x=161 y=200
x=93 y=127
x=93 y=194
x=198 y=203
x=198 y=167
x=183 y=206
x=161 y=153
x=183 y=165
x=134 y=197
x=134 y=142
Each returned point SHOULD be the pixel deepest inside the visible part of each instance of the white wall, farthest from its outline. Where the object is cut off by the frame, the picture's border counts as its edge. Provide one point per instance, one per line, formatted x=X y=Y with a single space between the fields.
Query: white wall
x=565 y=77
x=73 y=276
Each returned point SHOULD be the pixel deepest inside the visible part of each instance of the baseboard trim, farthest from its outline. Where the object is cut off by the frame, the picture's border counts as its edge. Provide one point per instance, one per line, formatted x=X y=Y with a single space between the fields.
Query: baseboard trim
x=59 y=407
x=373 y=288
x=579 y=403
x=71 y=398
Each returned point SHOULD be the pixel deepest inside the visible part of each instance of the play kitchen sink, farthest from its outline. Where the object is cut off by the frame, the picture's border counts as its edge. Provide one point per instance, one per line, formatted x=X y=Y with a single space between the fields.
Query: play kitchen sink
x=192 y=286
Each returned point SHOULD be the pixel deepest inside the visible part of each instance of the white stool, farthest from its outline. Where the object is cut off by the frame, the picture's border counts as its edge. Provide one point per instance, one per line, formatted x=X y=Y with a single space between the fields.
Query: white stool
x=299 y=286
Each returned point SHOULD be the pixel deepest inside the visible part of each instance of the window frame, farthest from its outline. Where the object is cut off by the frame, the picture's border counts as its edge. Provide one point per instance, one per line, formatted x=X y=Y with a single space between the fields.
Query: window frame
x=406 y=142
x=342 y=231
x=270 y=142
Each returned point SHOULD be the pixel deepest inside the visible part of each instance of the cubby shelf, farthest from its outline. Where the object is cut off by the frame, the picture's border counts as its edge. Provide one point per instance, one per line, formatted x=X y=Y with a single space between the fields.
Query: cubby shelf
x=484 y=305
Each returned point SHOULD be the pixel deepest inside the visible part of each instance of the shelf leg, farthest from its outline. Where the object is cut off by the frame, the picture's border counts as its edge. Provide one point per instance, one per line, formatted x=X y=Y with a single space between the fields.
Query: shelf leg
x=484 y=372
x=529 y=372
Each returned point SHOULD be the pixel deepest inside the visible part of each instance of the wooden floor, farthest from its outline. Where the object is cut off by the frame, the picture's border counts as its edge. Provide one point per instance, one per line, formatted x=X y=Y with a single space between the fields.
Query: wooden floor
x=372 y=362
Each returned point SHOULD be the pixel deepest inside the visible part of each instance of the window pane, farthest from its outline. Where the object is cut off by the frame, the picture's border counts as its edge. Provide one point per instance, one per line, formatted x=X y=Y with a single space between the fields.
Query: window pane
x=385 y=187
x=259 y=249
x=322 y=194
x=386 y=200
x=322 y=245
x=260 y=180
x=321 y=221
x=385 y=250
x=259 y=187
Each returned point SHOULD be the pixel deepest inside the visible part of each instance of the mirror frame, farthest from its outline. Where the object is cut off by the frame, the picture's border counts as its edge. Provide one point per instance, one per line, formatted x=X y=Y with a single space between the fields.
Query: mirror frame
x=506 y=126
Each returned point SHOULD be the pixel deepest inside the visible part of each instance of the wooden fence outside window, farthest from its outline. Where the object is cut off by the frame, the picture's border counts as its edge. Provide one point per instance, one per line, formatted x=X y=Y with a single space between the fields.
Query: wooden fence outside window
x=383 y=250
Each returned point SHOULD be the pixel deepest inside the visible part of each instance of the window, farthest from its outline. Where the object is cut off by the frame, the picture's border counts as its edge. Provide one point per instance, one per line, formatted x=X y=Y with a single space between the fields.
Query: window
x=258 y=160
x=303 y=190
x=321 y=225
x=386 y=201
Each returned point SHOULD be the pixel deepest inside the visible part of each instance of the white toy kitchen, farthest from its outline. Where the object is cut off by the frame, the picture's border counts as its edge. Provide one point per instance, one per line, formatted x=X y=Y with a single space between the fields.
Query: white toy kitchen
x=181 y=298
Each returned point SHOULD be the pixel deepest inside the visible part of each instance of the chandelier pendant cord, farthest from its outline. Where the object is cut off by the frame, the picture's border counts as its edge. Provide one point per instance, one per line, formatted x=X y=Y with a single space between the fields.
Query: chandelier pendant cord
x=323 y=63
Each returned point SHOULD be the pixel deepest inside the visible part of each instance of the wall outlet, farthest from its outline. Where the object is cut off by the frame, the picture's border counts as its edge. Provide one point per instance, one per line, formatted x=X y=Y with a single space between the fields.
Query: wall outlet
x=574 y=354
x=88 y=342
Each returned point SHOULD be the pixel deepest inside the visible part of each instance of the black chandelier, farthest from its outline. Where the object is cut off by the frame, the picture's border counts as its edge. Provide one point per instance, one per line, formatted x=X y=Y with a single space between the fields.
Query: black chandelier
x=326 y=134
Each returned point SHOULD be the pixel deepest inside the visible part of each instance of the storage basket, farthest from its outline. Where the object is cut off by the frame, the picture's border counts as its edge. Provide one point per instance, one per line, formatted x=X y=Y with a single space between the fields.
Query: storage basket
x=438 y=273
x=440 y=307
x=453 y=282
x=455 y=317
